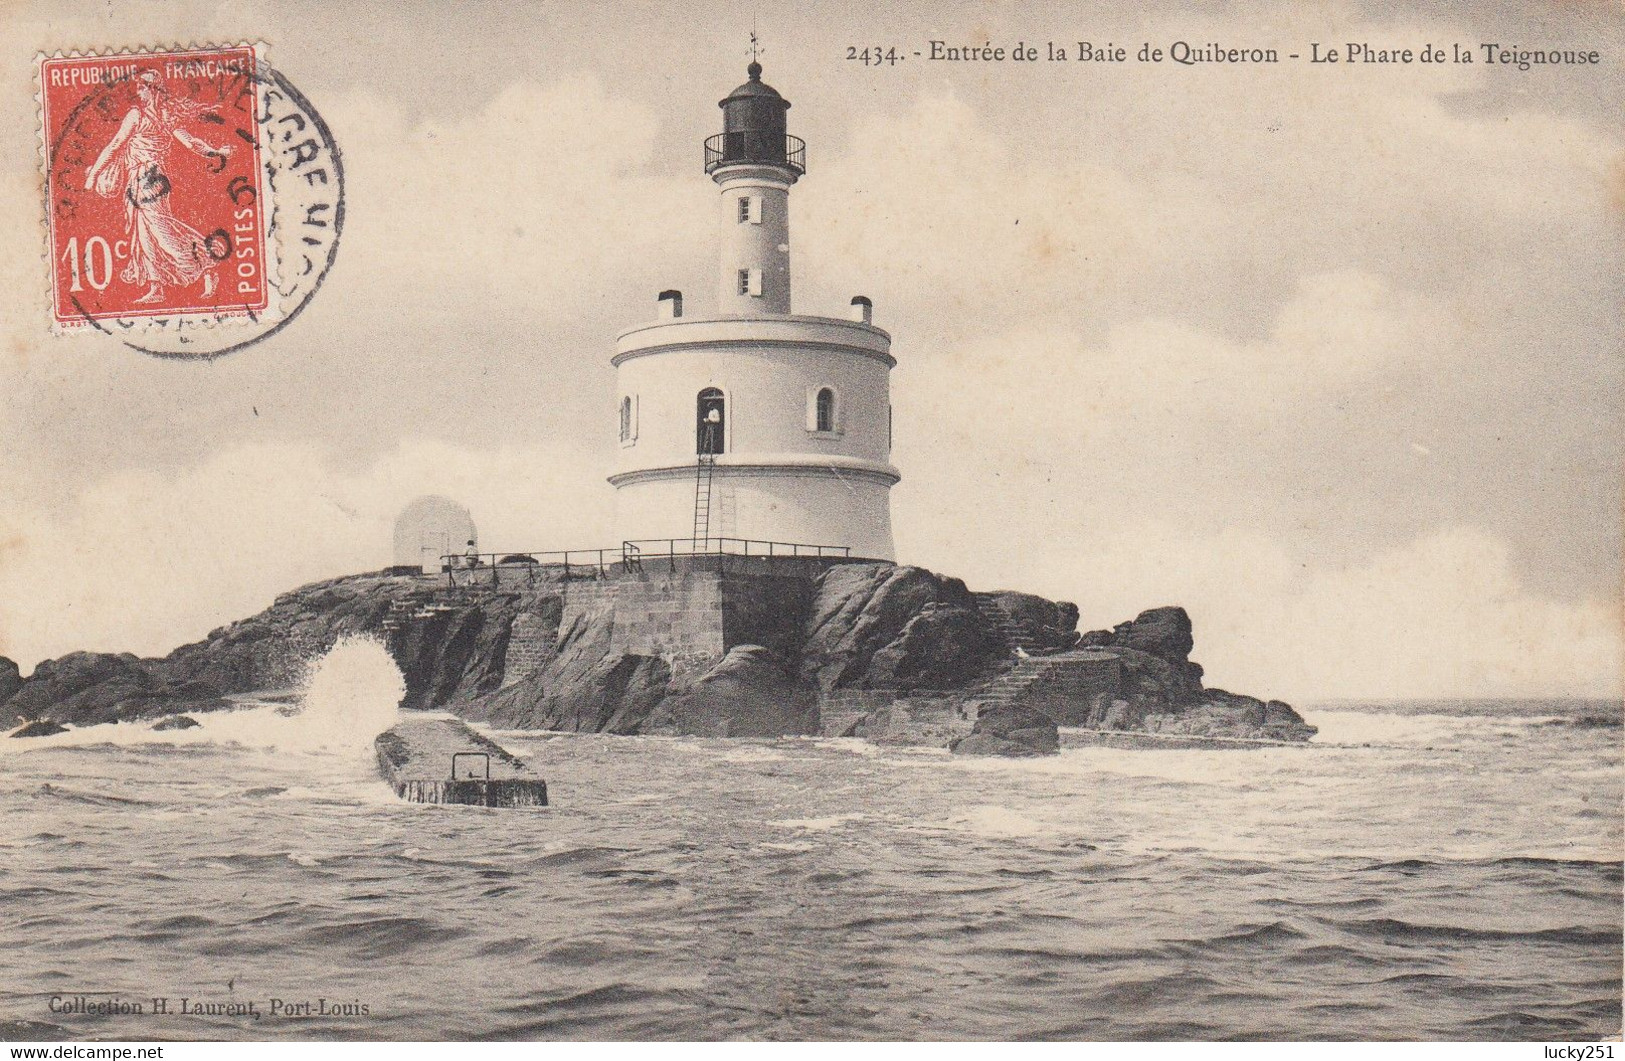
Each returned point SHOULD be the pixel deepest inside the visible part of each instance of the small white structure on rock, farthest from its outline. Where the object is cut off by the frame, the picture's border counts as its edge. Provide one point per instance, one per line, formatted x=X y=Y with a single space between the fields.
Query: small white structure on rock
x=430 y=527
x=755 y=423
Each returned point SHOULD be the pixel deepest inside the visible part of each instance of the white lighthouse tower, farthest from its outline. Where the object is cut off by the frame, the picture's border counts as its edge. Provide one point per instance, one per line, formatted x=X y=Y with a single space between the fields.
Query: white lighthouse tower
x=756 y=424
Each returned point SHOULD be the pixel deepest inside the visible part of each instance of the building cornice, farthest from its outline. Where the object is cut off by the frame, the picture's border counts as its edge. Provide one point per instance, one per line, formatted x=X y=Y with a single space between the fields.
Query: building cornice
x=787 y=331
x=776 y=465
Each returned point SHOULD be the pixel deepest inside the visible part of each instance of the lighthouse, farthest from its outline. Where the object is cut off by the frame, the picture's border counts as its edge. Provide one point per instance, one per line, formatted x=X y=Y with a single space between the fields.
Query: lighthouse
x=755 y=424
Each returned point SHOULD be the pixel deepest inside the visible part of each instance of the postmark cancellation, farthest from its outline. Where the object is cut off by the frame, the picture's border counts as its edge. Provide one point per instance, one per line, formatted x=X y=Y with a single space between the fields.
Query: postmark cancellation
x=193 y=199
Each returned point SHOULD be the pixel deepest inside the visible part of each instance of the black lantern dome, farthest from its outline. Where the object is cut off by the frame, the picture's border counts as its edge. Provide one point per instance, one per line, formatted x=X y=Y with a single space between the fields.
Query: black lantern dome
x=753 y=130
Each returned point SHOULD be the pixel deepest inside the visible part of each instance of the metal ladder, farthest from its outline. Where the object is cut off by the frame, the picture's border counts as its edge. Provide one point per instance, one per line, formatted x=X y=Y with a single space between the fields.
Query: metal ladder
x=702 y=500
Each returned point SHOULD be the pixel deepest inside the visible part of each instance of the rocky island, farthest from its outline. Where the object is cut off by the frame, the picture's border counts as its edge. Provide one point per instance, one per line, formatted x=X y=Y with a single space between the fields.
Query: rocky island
x=709 y=645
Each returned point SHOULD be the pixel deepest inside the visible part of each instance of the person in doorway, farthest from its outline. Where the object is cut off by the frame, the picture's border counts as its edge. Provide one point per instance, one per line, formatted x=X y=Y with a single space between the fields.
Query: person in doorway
x=713 y=431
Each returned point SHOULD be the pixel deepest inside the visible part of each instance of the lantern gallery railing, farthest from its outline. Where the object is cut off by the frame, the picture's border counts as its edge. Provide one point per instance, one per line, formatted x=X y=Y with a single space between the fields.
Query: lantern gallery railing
x=466 y=569
x=747 y=146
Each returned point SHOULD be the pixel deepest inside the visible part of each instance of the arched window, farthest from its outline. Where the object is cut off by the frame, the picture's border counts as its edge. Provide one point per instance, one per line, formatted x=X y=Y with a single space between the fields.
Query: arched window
x=626 y=418
x=710 y=427
x=826 y=410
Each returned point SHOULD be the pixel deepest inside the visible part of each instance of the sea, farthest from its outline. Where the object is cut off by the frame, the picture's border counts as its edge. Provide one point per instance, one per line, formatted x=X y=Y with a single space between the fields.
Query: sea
x=1441 y=870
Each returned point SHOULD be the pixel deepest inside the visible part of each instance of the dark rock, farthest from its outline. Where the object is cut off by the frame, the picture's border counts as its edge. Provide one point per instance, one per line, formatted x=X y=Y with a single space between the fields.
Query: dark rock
x=1159 y=635
x=752 y=692
x=1276 y=711
x=1587 y=722
x=1234 y=717
x=176 y=722
x=455 y=654
x=941 y=647
x=10 y=679
x=273 y=649
x=853 y=626
x=39 y=728
x=1124 y=715
x=1163 y=632
x=859 y=610
x=583 y=688
x=84 y=688
x=1011 y=731
x=1050 y=626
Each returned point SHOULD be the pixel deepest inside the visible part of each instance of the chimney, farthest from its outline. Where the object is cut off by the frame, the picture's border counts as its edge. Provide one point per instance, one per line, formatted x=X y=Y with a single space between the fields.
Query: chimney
x=862 y=309
x=671 y=305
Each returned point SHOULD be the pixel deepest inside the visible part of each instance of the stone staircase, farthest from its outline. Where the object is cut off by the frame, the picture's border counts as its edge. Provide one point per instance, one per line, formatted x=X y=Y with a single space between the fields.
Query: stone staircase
x=1075 y=674
x=1008 y=686
x=1018 y=637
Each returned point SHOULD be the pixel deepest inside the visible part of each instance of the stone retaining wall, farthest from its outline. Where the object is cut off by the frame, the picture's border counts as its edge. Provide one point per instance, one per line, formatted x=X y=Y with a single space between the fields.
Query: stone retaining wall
x=1069 y=688
x=1137 y=740
x=931 y=721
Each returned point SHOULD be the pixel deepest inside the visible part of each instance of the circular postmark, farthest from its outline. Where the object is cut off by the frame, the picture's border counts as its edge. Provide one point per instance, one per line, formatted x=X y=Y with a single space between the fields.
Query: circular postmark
x=195 y=198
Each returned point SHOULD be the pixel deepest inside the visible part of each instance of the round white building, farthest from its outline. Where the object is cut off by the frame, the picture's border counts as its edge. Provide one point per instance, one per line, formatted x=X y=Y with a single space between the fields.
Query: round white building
x=756 y=424
x=429 y=528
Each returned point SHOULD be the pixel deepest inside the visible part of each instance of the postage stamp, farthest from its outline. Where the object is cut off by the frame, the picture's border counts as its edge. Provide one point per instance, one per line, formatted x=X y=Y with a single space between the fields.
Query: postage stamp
x=174 y=179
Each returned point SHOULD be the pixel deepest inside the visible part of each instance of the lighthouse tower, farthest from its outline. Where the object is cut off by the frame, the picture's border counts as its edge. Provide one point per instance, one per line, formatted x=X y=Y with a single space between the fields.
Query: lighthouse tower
x=756 y=423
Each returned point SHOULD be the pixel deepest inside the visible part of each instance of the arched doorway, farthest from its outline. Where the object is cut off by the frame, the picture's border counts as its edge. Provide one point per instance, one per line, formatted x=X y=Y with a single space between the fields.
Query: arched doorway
x=710 y=426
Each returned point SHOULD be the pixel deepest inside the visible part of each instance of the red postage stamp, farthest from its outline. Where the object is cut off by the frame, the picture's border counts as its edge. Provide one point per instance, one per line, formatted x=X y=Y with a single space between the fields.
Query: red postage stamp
x=157 y=199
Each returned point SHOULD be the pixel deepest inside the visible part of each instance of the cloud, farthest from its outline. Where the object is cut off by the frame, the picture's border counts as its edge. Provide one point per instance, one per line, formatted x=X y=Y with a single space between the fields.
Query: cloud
x=933 y=207
x=1442 y=615
x=141 y=561
x=1162 y=417
x=1195 y=188
x=1168 y=464
x=530 y=208
x=1438 y=616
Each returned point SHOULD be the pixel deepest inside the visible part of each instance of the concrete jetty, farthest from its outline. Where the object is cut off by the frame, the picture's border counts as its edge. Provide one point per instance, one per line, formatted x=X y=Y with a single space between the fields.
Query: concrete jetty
x=441 y=760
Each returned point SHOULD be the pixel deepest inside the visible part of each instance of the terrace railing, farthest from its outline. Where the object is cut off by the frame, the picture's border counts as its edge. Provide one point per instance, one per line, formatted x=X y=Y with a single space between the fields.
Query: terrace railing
x=468 y=569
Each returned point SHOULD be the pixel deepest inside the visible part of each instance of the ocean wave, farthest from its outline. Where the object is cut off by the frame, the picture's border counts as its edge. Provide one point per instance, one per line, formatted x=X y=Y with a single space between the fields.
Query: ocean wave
x=30 y=893
x=999 y=823
x=1392 y=929
x=1291 y=895
x=1418 y=865
x=1334 y=956
x=1274 y=934
x=1175 y=987
x=818 y=825
x=381 y=937
x=98 y=799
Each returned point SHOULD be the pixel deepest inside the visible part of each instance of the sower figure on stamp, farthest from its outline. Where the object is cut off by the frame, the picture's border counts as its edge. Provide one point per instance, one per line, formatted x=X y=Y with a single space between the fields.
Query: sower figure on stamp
x=164 y=250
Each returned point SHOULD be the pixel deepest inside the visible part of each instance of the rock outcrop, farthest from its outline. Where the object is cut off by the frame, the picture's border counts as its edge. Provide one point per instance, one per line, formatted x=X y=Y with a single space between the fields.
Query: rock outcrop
x=751 y=693
x=881 y=626
x=1010 y=731
x=1044 y=626
x=86 y=688
x=584 y=687
x=11 y=679
x=39 y=728
x=1155 y=649
x=551 y=652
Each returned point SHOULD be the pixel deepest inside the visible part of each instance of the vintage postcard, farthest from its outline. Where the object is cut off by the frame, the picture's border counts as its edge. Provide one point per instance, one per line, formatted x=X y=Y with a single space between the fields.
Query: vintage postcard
x=811 y=522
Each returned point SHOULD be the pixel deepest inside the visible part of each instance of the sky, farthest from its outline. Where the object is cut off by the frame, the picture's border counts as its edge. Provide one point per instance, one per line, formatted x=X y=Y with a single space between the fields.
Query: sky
x=1329 y=356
